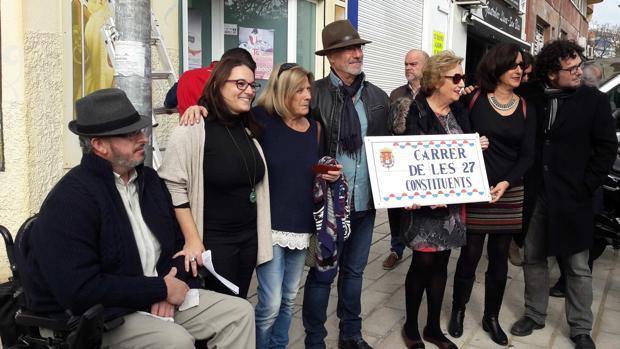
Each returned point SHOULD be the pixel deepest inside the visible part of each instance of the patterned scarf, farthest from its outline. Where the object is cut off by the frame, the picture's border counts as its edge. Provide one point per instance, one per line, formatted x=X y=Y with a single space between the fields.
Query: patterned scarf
x=332 y=221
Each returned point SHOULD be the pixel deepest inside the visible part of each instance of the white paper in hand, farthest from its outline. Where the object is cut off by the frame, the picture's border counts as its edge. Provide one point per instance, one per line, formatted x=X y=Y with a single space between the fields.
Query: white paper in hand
x=208 y=263
x=192 y=299
x=169 y=319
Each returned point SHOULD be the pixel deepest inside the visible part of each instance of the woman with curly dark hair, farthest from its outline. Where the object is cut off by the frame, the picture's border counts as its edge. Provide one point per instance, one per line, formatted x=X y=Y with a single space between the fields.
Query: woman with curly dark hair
x=503 y=117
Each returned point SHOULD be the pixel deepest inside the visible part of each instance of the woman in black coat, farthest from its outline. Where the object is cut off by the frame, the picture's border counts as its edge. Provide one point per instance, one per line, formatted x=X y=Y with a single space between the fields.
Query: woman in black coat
x=432 y=232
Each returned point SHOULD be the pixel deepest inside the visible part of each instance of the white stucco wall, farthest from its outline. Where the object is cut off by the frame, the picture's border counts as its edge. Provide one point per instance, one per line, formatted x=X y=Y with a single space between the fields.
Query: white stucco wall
x=32 y=89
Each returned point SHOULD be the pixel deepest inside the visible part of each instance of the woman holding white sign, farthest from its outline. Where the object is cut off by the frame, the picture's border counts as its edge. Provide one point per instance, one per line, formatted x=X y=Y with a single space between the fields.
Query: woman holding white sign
x=432 y=231
x=504 y=118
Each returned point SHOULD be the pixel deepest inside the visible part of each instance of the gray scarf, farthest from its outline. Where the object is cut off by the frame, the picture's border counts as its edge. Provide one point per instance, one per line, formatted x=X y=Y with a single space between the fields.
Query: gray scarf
x=555 y=98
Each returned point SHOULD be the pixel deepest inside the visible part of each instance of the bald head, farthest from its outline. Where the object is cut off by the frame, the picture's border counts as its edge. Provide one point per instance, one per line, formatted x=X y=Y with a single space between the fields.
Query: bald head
x=592 y=75
x=414 y=62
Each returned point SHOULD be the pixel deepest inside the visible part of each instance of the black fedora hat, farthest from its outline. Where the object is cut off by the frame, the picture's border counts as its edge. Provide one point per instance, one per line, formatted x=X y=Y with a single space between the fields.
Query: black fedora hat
x=106 y=112
x=340 y=34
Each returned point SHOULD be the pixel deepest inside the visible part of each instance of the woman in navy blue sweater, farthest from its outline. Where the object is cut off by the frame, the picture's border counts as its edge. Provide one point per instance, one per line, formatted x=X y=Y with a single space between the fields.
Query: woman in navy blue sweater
x=291 y=142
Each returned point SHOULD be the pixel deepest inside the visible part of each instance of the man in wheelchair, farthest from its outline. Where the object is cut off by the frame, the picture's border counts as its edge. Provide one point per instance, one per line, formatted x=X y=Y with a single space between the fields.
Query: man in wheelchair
x=106 y=234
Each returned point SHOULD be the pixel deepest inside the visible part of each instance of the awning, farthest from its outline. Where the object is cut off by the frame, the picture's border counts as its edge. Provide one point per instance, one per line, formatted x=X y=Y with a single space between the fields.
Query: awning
x=487 y=31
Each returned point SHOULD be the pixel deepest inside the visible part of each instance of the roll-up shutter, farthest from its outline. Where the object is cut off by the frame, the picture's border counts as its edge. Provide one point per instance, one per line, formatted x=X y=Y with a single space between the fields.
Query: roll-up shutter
x=394 y=27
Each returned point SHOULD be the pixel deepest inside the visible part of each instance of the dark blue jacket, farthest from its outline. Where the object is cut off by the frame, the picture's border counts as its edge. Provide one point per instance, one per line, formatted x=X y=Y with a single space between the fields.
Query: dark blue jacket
x=82 y=248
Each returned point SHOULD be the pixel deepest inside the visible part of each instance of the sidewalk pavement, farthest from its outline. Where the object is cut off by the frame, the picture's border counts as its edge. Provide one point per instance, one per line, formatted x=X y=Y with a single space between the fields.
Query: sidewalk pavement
x=383 y=304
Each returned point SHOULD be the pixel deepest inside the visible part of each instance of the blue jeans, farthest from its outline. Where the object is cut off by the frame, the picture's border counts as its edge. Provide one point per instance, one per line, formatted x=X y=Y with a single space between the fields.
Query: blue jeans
x=353 y=256
x=278 y=282
x=397 y=245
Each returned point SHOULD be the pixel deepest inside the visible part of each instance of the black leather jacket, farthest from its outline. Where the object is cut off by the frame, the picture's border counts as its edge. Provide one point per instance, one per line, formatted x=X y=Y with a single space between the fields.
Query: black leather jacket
x=327 y=103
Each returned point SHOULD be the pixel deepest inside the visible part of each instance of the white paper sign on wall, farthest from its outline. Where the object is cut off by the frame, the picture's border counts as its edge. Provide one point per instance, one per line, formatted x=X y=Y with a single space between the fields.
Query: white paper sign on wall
x=129 y=58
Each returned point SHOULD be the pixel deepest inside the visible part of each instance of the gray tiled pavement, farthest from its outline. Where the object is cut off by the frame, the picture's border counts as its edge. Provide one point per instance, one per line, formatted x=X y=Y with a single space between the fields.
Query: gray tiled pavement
x=383 y=303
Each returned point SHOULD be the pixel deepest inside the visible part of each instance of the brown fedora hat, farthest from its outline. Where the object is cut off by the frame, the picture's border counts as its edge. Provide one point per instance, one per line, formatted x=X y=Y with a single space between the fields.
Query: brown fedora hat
x=340 y=34
x=106 y=112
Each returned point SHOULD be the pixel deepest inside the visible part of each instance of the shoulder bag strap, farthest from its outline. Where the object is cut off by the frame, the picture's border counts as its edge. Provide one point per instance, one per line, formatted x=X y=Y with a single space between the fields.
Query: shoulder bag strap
x=473 y=100
x=524 y=106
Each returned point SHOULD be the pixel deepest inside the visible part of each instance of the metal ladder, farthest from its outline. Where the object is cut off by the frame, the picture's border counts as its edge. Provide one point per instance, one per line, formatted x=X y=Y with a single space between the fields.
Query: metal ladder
x=166 y=73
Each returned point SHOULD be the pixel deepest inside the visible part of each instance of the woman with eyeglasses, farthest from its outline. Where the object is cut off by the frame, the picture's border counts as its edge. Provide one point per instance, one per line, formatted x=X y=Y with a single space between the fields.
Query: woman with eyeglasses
x=432 y=231
x=217 y=177
x=498 y=113
x=291 y=142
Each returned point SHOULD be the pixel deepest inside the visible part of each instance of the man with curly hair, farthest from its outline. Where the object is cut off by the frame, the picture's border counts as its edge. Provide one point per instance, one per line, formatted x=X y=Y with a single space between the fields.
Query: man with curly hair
x=575 y=149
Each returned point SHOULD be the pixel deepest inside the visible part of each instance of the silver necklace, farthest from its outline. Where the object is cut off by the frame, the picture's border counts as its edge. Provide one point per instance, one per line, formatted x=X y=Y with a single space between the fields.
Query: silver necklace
x=252 y=180
x=502 y=106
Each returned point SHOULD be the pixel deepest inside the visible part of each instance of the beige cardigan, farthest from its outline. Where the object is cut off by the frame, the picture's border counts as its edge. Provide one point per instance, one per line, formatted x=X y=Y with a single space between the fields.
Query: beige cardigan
x=182 y=169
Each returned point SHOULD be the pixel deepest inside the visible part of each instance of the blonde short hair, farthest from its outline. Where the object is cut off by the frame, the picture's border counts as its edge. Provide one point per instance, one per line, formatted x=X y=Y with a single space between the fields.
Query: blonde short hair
x=281 y=87
x=435 y=68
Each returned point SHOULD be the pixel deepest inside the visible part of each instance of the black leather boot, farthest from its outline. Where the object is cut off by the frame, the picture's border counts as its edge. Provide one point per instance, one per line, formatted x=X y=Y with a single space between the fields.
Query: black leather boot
x=490 y=324
x=455 y=327
x=460 y=297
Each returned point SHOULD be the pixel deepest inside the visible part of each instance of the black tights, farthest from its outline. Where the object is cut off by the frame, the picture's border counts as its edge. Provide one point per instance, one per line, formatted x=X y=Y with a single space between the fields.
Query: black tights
x=497 y=270
x=428 y=272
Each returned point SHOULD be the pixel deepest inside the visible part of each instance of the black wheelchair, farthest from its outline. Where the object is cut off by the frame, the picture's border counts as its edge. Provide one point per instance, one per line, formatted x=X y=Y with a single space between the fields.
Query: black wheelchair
x=21 y=328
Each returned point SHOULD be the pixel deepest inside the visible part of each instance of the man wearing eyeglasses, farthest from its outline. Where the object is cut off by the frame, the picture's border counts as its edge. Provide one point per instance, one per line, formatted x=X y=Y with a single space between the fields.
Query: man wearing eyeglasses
x=349 y=108
x=575 y=149
x=106 y=234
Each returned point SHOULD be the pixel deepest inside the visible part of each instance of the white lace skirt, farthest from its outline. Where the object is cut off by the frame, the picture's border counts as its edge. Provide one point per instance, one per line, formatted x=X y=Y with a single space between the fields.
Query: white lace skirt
x=293 y=241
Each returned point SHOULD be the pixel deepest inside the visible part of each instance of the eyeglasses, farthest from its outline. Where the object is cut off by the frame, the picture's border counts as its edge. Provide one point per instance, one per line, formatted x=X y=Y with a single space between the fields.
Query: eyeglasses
x=456 y=78
x=131 y=135
x=515 y=65
x=243 y=85
x=573 y=70
x=351 y=48
x=286 y=66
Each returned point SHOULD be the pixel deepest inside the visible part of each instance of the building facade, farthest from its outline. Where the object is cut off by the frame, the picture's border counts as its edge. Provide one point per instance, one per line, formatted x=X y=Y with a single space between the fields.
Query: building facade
x=554 y=19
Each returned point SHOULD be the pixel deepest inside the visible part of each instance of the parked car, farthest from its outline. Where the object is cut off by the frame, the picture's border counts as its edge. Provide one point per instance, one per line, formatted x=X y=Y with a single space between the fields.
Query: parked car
x=607 y=225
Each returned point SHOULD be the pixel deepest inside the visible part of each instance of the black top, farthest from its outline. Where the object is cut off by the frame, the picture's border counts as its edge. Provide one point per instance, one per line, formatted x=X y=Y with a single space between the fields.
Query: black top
x=227 y=185
x=290 y=155
x=511 y=140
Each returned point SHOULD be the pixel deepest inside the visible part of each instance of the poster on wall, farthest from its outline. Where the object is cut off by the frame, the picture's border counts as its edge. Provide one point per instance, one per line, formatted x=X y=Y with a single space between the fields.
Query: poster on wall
x=259 y=42
x=438 y=41
x=194 y=39
x=92 y=70
x=426 y=170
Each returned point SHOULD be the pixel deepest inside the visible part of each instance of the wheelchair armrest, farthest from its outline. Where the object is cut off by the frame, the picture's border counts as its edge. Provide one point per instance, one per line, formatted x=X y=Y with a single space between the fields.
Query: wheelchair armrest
x=112 y=324
x=89 y=330
x=28 y=319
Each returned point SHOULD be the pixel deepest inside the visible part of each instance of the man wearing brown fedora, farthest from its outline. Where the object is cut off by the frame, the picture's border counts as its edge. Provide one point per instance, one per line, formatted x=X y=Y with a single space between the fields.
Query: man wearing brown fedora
x=106 y=234
x=349 y=108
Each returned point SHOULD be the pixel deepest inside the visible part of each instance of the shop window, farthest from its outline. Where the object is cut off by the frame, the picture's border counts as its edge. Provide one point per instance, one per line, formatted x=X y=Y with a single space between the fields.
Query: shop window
x=261 y=28
x=539 y=37
x=340 y=13
x=199 y=34
x=306 y=34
